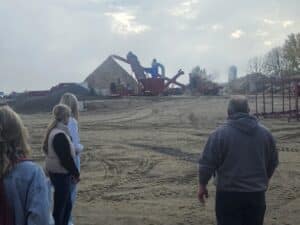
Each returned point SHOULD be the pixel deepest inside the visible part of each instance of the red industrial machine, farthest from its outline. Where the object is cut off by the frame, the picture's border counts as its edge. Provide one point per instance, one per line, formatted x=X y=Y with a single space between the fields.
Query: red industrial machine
x=149 y=85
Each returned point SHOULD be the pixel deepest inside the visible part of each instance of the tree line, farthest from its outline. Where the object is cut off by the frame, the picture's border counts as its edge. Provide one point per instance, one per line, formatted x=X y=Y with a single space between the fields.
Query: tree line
x=282 y=61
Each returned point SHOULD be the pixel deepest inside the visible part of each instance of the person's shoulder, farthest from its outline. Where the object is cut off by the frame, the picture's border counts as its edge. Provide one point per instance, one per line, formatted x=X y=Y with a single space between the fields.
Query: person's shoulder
x=27 y=169
x=54 y=132
x=72 y=120
x=265 y=132
x=222 y=128
x=263 y=128
x=72 y=123
x=60 y=137
x=29 y=165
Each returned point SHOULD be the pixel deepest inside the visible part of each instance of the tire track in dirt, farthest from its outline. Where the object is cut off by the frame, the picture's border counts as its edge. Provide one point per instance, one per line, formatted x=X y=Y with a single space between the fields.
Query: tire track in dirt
x=128 y=115
x=289 y=136
x=287 y=128
x=137 y=180
x=175 y=152
x=287 y=149
x=122 y=122
x=118 y=171
x=134 y=172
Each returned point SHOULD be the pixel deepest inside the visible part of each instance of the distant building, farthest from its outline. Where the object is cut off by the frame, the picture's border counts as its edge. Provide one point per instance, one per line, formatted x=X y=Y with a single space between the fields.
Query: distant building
x=62 y=86
x=232 y=73
x=2 y=94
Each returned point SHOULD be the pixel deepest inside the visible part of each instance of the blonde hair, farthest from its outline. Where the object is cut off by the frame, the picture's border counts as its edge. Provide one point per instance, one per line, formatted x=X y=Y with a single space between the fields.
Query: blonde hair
x=61 y=113
x=13 y=139
x=71 y=101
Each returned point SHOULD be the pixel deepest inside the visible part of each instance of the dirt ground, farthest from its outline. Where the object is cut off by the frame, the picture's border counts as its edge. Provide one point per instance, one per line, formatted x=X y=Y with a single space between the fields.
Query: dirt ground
x=139 y=165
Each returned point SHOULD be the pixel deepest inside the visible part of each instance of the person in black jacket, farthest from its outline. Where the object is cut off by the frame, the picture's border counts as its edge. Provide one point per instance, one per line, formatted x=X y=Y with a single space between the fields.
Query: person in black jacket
x=242 y=153
x=60 y=164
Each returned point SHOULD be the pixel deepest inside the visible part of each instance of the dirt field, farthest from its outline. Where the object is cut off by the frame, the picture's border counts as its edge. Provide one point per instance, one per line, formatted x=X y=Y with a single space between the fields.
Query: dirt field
x=139 y=166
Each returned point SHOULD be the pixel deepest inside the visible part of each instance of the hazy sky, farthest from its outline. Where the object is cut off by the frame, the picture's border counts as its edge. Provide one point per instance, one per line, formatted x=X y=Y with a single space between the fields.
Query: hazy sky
x=44 y=42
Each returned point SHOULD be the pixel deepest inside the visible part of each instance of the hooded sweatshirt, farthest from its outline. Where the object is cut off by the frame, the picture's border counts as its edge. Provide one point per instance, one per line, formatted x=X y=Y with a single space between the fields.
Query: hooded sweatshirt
x=242 y=154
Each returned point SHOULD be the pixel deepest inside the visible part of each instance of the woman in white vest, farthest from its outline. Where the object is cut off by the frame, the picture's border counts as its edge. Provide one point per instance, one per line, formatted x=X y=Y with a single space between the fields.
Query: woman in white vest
x=60 y=163
x=71 y=101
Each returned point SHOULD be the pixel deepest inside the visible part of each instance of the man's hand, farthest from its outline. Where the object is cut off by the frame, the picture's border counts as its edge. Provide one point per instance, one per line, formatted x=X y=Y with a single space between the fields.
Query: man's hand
x=202 y=192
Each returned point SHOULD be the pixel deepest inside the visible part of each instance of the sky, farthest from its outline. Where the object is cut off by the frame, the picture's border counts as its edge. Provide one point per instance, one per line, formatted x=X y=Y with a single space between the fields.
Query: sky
x=45 y=42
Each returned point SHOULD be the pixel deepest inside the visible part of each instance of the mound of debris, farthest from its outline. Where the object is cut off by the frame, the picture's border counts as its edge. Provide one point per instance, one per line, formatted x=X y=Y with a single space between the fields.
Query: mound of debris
x=109 y=75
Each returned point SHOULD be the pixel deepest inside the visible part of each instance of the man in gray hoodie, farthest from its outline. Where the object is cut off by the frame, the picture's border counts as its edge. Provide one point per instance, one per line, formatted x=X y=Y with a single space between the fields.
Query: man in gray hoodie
x=243 y=156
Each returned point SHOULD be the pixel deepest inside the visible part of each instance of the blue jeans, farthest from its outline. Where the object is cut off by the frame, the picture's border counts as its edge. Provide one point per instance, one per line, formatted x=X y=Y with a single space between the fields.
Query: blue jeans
x=74 y=188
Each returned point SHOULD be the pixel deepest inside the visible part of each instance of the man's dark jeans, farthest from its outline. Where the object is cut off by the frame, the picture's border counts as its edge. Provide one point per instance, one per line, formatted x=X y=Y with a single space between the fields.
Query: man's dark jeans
x=240 y=208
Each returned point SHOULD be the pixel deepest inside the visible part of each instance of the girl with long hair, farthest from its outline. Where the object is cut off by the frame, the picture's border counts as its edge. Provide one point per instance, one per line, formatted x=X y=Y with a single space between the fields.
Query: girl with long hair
x=23 y=188
x=71 y=101
x=60 y=163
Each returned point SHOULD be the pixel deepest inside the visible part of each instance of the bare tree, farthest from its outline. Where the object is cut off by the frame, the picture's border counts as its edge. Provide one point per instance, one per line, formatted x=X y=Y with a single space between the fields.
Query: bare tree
x=279 y=61
x=291 y=51
x=256 y=65
x=275 y=64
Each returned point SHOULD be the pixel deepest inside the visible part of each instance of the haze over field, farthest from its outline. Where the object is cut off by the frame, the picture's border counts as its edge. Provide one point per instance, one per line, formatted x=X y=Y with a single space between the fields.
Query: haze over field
x=46 y=42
